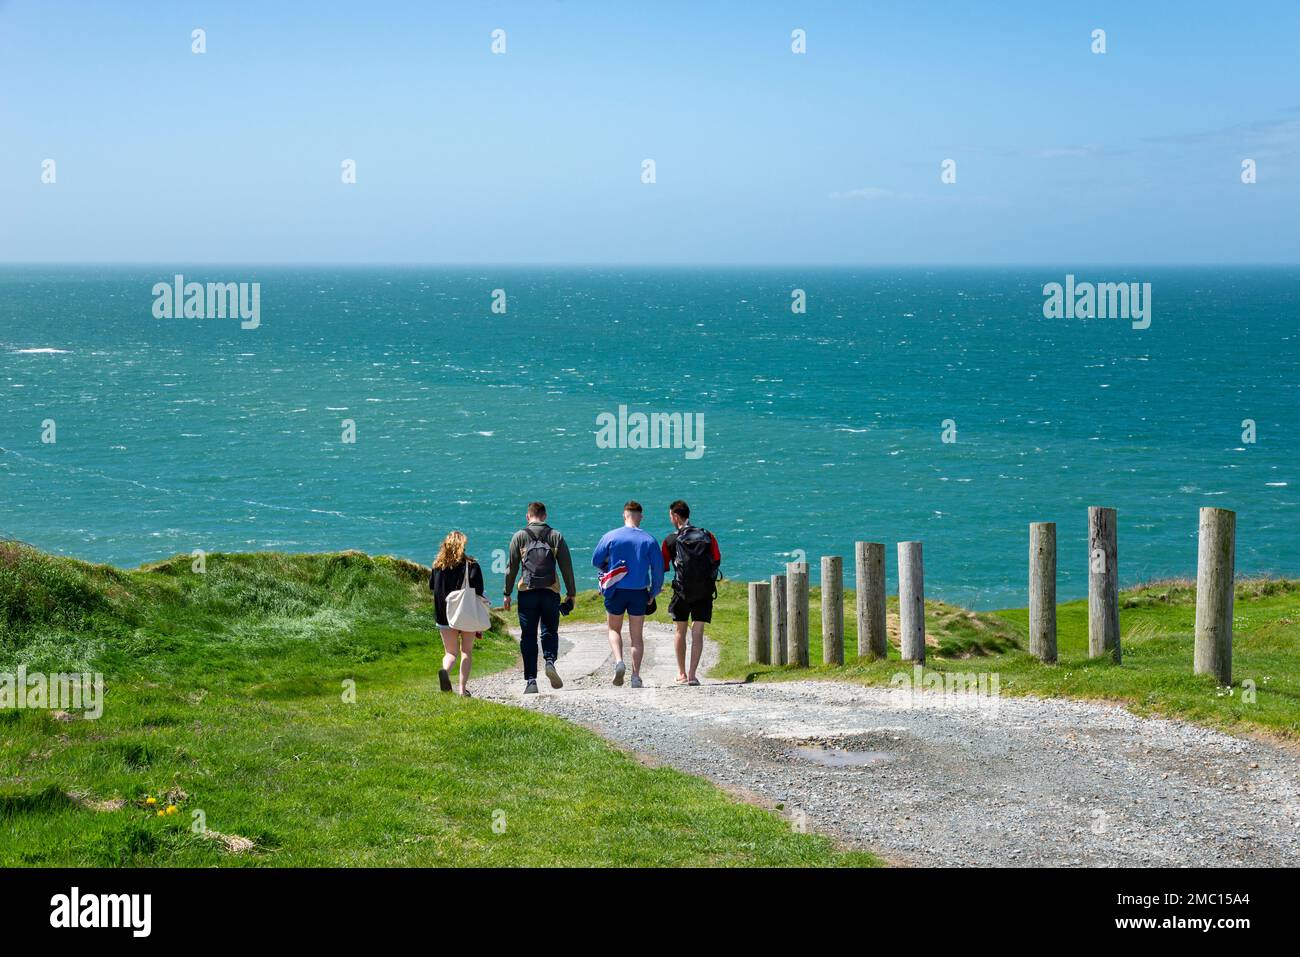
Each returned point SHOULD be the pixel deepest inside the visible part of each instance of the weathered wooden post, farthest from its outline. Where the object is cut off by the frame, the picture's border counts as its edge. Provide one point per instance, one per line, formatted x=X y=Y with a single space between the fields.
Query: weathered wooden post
x=1042 y=591
x=911 y=601
x=1215 y=573
x=1103 y=584
x=832 y=610
x=796 y=610
x=760 y=622
x=778 y=620
x=873 y=639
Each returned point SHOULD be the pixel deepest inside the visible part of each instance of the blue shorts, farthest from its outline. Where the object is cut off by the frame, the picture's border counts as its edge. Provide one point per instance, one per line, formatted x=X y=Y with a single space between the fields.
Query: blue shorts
x=631 y=601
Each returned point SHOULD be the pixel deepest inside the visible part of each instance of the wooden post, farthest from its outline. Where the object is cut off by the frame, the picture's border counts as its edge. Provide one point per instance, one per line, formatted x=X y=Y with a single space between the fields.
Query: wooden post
x=796 y=609
x=760 y=622
x=832 y=610
x=1103 y=584
x=873 y=639
x=1042 y=591
x=1215 y=572
x=778 y=620
x=911 y=601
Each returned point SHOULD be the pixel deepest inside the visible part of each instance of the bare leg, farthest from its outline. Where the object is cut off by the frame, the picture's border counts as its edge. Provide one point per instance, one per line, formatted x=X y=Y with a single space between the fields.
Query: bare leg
x=697 y=647
x=450 y=645
x=615 y=625
x=680 y=647
x=466 y=657
x=636 y=634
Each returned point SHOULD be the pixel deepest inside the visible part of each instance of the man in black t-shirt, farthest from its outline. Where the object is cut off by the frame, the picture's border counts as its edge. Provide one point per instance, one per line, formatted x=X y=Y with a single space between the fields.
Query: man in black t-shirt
x=694 y=556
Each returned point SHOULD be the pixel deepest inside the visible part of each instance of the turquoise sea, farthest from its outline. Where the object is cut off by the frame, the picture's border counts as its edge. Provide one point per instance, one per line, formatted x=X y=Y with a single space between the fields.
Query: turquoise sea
x=819 y=429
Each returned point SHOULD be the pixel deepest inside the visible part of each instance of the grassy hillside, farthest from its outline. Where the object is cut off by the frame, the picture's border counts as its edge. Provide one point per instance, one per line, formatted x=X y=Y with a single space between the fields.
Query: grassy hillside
x=227 y=698
x=1156 y=622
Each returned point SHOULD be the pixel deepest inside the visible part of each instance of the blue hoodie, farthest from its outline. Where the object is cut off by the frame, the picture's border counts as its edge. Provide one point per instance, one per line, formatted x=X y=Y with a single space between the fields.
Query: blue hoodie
x=639 y=550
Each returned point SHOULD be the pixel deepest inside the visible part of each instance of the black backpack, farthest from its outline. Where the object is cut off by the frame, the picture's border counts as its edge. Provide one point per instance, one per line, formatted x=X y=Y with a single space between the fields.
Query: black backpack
x=537 y=559
x=697 y=572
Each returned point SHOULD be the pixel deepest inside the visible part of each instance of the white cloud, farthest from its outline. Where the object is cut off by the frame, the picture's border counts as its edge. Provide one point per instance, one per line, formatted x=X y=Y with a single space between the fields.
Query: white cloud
x=1067 y=152
x=871 y=194
x=865 y=192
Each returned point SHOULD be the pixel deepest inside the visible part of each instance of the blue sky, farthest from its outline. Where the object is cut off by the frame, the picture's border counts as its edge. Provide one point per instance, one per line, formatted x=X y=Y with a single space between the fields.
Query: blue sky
x=763 y=156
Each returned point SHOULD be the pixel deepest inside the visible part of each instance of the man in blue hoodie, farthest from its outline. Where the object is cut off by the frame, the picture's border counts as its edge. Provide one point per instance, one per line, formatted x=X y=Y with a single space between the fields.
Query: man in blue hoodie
x=632 y=575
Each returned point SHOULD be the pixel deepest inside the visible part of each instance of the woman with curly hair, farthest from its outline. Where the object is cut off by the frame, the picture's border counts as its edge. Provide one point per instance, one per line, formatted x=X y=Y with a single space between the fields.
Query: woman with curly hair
x=448 y=576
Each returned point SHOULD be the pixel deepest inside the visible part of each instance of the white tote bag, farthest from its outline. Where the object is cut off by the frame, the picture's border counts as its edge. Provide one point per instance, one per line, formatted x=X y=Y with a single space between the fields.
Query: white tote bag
x=467 y=610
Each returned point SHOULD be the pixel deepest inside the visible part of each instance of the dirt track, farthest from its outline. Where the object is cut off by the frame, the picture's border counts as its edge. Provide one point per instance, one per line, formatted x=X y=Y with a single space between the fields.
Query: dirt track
x=937 y=781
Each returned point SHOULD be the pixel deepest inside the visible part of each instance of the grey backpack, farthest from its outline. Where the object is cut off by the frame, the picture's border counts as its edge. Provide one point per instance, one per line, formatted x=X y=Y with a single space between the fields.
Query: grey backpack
x=537 y=559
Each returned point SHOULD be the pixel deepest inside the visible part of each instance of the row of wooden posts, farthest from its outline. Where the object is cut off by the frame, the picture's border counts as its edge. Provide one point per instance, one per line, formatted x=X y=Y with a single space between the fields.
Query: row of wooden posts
x=778 y=609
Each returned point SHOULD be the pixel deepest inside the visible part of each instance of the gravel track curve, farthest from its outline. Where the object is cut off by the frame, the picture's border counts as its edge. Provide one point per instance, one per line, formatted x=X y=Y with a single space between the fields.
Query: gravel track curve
x=935 y=781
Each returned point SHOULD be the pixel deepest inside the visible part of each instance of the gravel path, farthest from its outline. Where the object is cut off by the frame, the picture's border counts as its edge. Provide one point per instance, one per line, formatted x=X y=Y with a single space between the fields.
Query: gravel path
x=932 y=780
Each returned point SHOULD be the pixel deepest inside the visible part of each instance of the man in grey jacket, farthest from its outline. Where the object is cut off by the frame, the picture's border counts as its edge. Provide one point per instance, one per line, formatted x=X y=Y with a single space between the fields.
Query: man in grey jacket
x=537 y=551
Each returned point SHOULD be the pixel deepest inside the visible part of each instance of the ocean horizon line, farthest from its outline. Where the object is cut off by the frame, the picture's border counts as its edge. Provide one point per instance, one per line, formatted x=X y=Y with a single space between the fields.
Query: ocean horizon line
x=666 y=265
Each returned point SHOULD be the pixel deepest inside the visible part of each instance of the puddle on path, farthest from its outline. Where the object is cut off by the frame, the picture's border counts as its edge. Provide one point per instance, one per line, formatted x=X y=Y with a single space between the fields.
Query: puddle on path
x=840 y=757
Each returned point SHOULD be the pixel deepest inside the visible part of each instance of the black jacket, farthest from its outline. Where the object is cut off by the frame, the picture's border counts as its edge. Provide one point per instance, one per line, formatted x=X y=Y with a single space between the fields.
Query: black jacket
x=442 y=582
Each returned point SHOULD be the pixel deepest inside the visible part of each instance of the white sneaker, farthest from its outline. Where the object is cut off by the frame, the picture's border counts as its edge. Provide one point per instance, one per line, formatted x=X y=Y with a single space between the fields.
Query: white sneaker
x=636 y=681
x=618 y=673
x=554 y=675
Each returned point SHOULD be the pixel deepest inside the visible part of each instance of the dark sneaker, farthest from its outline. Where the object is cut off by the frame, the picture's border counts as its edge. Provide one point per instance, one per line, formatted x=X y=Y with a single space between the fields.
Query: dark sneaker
x=444 y=679
x=554 y=675
x=531 y=687
x=618 y=673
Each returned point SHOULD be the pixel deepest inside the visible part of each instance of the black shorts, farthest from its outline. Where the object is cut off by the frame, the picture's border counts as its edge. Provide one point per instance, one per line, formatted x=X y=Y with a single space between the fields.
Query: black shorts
x=696 y=609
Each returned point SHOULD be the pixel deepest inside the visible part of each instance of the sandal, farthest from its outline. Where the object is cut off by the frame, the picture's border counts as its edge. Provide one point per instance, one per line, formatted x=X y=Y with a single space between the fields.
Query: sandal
x=444 y=679
x=694 y=682
x=466 y=694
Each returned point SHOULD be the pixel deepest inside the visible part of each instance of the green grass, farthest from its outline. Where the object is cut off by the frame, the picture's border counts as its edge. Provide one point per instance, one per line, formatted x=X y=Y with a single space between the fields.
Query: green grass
x=226 y=696
x=1156 y=624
